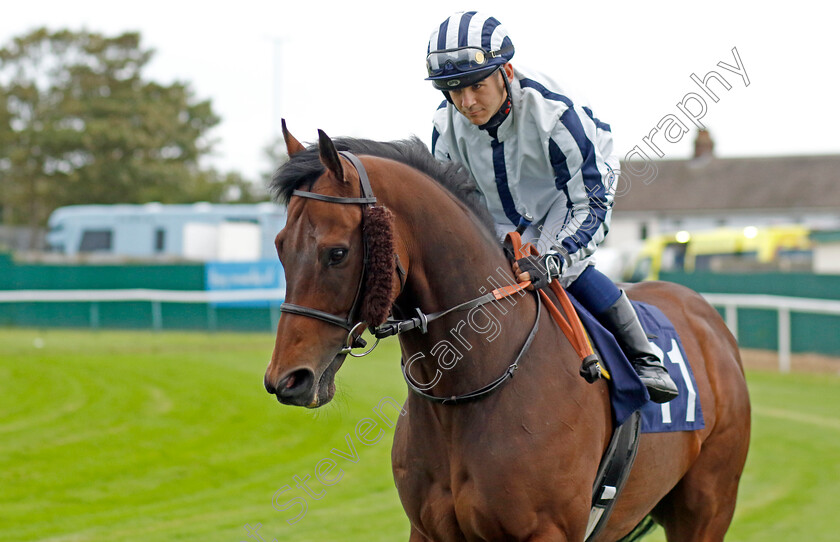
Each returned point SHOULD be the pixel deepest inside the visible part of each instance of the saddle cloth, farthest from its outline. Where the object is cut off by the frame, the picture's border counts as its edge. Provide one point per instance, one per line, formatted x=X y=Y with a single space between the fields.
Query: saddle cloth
x=627 y=393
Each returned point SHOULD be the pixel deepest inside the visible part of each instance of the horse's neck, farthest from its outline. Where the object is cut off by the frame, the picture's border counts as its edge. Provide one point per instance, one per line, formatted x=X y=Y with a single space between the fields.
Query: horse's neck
x=454 y=259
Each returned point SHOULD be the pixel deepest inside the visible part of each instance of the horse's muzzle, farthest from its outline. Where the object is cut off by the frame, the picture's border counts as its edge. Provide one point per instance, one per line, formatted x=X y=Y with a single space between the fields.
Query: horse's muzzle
x=296 y=388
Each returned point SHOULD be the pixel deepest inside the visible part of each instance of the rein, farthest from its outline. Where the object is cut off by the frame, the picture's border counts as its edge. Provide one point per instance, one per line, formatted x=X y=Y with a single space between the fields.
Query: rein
x=571 y=325
x=489 y=388
x=391 y=326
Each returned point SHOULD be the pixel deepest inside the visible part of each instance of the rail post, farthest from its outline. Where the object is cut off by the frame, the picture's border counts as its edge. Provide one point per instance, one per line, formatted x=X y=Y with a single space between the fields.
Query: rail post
x=731 y=317
x=784 y=339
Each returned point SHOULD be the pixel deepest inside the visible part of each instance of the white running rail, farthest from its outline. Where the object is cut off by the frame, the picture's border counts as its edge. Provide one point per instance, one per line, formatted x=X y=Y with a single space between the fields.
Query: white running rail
x=141 y=294
x=781 y=304
x=730 y=303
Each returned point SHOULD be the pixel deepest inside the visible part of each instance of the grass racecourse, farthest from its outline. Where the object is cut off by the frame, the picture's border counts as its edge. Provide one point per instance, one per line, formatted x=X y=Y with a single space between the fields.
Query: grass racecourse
x=140 y=436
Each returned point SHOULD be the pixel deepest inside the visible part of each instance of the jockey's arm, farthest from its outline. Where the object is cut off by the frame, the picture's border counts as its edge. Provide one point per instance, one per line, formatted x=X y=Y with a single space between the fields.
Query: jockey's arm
x=439 y=148
x=578 y=222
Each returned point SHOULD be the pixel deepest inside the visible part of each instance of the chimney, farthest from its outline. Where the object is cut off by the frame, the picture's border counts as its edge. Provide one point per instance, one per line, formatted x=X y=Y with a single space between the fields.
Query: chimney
x=703 y=145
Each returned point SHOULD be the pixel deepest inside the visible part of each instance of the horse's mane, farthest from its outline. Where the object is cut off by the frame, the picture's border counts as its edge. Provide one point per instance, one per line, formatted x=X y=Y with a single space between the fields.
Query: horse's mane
x=304 y=167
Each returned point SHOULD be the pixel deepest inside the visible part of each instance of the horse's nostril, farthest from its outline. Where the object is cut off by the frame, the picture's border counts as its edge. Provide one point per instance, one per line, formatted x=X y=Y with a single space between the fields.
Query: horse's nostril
x=295 y=384
x=269 y=387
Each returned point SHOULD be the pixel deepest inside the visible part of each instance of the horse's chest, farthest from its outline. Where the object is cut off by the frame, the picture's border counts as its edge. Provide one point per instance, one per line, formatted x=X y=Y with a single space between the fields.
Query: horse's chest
x=451 y=495
x=510 y=484
x=448 y=511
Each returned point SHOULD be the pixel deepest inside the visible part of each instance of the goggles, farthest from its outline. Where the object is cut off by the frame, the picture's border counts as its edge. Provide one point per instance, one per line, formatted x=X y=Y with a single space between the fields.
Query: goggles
x=461 y=60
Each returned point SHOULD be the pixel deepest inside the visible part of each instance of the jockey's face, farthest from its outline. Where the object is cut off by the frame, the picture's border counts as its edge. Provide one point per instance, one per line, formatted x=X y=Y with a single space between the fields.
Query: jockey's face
x=482 y=100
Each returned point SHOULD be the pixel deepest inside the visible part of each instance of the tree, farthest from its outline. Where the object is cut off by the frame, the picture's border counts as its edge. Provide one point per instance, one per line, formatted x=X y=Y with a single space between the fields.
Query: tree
x=275 y=155
x=228 y=187
x=80 y=124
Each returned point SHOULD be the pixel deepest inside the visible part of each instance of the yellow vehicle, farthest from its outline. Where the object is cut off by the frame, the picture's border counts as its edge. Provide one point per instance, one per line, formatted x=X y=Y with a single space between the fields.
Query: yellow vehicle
x=724 y=250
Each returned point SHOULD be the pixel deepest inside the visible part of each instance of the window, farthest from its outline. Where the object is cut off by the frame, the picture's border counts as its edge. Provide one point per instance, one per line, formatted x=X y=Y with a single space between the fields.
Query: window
x=641 y=271
x=733 y=262
x=160 y=240
x=96 y=241
x=673 y=257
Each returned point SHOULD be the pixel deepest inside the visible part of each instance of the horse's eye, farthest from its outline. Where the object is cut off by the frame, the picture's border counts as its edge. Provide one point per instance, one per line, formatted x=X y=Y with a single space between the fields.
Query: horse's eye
x=337 y=255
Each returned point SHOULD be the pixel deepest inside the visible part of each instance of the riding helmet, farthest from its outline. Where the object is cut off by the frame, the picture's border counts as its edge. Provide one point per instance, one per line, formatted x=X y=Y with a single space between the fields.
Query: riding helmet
x=466 y=48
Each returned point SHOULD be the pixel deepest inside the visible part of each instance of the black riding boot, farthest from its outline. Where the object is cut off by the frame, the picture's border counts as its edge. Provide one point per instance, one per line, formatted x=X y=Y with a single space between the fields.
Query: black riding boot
x=621 y=319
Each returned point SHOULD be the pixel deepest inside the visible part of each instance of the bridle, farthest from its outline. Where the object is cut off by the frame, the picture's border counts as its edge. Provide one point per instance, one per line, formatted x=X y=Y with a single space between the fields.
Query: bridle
x=394 y=326
x=367 y=199
x=391 y=326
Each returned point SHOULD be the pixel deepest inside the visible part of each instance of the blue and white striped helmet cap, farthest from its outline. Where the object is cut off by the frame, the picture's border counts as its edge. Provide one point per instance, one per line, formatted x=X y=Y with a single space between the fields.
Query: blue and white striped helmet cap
x=466 y=48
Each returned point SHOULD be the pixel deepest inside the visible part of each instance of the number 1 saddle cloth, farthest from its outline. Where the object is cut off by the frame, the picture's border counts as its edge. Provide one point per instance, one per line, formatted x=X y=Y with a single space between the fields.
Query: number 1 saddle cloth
x=627 y=392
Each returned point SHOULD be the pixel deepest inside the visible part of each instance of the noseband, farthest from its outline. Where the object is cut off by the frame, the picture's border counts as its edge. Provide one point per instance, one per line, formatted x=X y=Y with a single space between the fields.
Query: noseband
x=396 y=327
x=367 y=199
x=572 y=328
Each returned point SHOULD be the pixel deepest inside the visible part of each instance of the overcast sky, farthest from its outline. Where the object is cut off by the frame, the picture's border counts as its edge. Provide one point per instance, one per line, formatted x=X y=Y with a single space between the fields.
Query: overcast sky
x=357 y=68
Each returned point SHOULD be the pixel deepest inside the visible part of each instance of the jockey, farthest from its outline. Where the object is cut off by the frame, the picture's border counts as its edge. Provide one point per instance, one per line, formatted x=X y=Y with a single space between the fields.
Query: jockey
x=539 y=159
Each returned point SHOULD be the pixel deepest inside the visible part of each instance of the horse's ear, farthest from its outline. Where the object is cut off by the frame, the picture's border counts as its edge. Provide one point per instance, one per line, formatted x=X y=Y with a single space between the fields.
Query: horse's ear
x=293 y=146
x=329 y=156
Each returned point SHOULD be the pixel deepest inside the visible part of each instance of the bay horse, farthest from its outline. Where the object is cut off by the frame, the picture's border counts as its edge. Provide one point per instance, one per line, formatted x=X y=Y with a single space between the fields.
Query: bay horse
x=518 y=463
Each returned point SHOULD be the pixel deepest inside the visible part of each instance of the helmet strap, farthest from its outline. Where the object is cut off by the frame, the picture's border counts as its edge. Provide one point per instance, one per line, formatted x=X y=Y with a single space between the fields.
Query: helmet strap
x=499 y=117
x=507 y=83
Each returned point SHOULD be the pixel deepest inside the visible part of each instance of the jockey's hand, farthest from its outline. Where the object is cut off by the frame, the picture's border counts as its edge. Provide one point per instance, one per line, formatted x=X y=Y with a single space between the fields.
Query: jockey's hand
x=540 y=270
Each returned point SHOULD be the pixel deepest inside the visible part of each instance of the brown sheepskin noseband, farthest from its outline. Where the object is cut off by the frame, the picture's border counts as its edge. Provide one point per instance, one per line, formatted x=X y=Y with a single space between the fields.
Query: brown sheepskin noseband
x=379 y=239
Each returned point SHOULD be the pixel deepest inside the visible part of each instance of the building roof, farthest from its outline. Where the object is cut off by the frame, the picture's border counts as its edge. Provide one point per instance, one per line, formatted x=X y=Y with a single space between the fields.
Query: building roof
x=709 y=184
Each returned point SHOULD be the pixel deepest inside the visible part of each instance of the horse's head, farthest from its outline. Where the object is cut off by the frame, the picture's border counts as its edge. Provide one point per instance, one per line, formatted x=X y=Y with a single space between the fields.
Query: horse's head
x=337 y=252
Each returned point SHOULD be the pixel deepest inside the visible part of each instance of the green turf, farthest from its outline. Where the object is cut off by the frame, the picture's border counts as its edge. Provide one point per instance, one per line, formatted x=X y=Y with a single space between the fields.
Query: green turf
x=136 y=436
x=789 y=490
